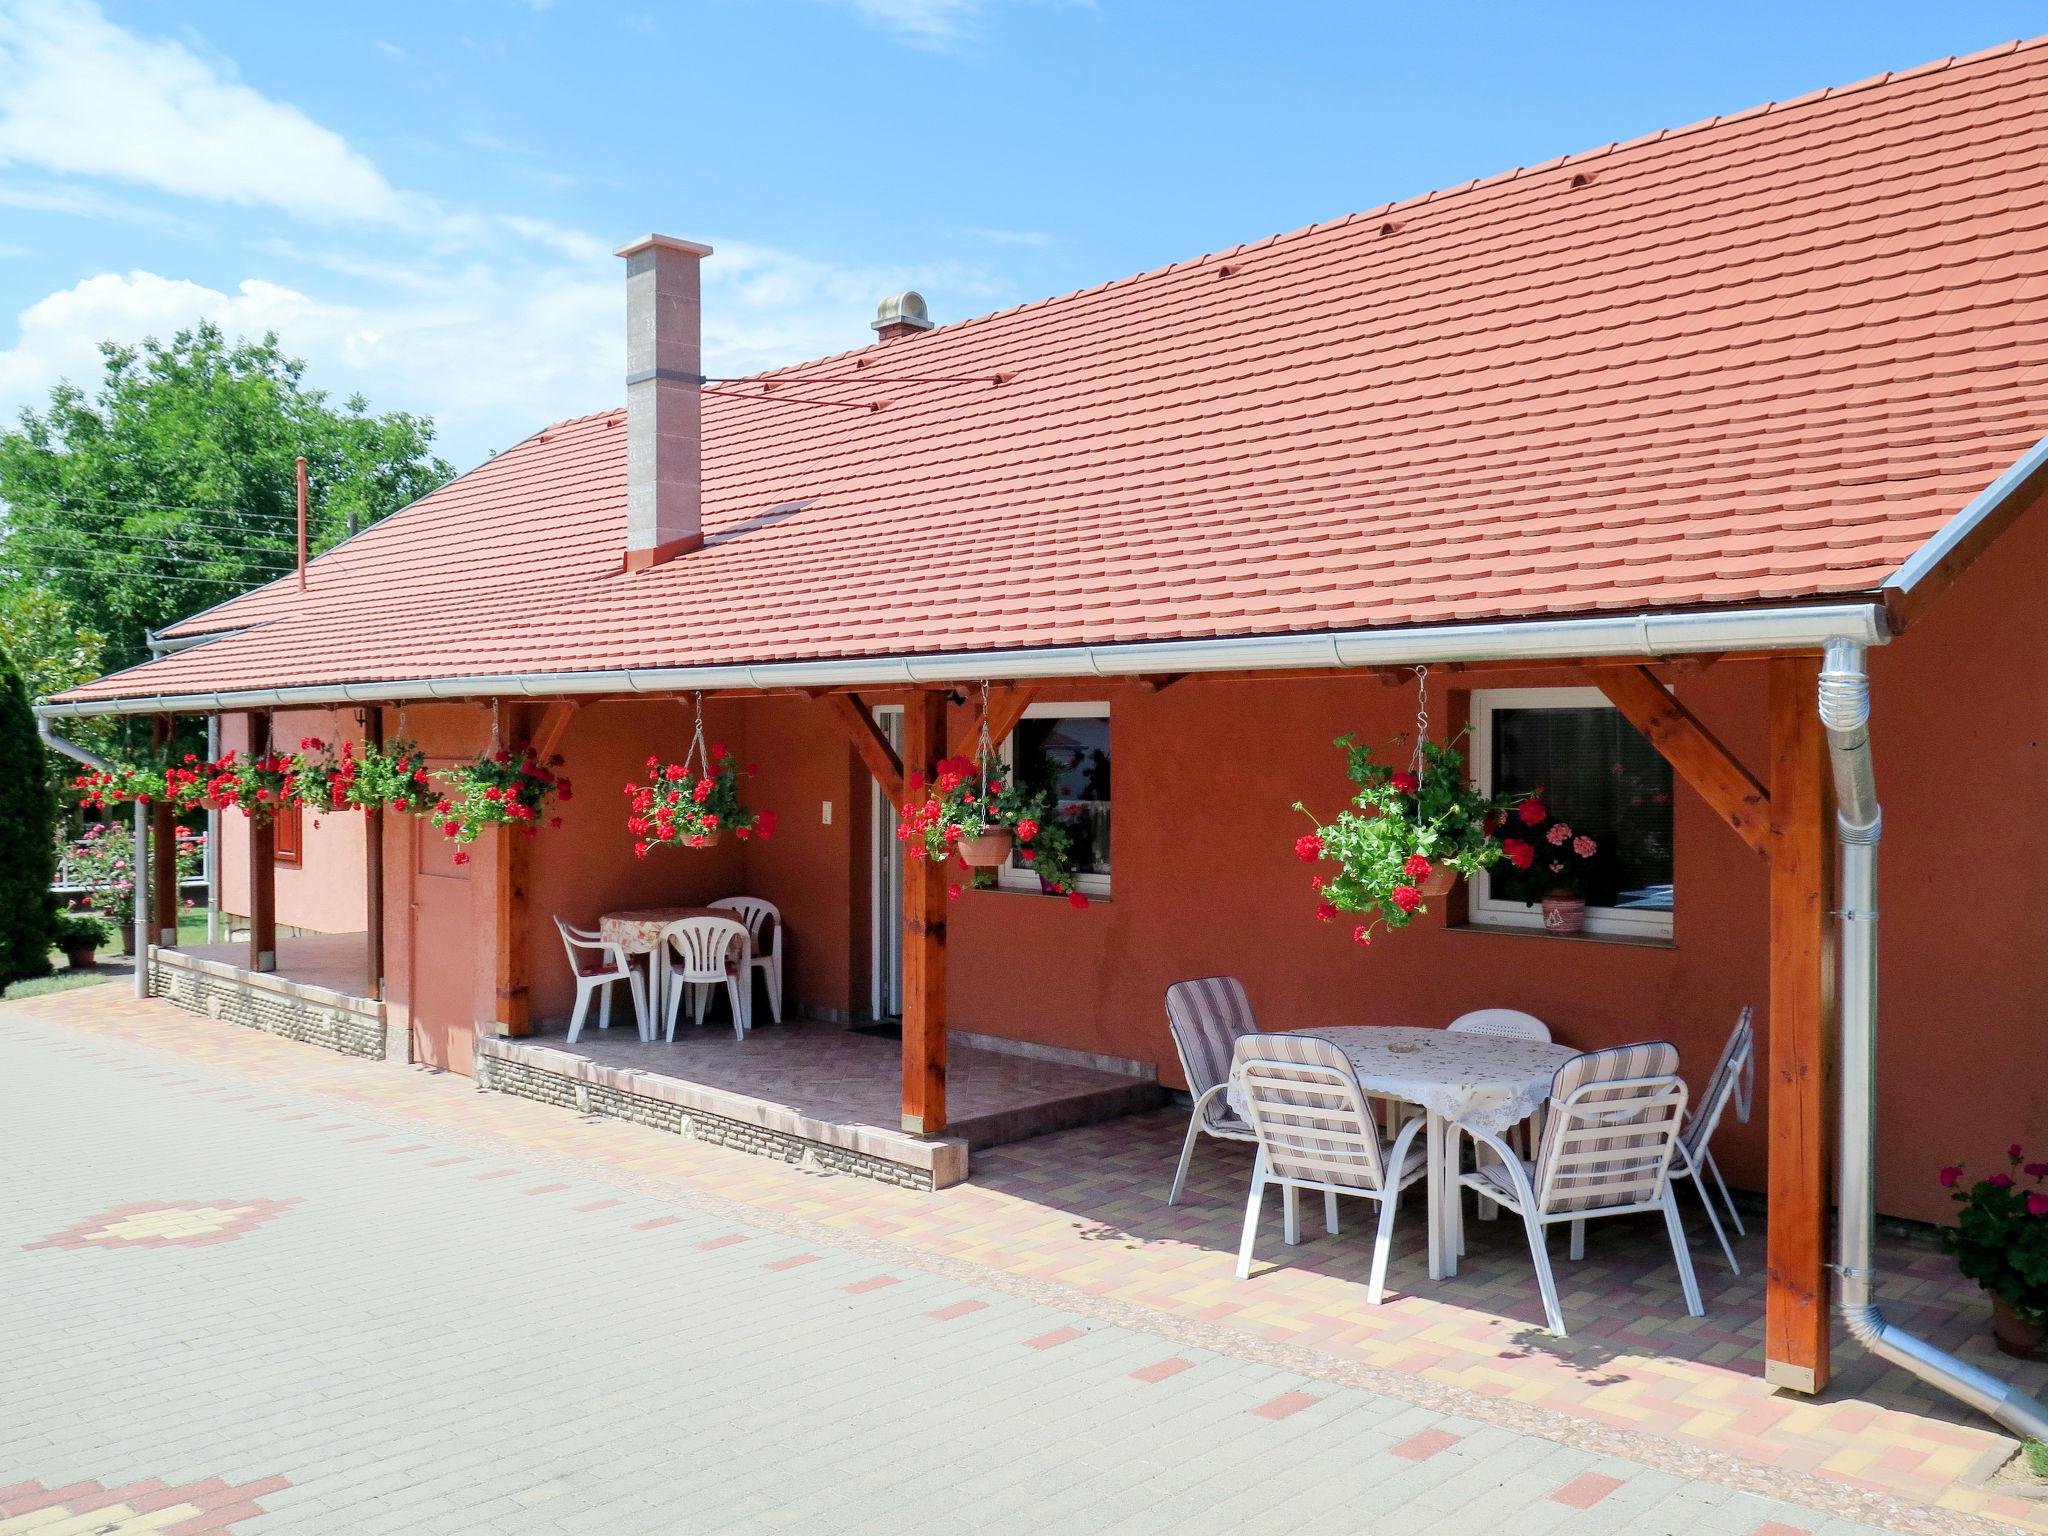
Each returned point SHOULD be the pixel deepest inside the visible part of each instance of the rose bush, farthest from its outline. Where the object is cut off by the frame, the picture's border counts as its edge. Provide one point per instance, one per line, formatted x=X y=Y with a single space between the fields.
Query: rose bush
x=683 y=805
x=1402 y=829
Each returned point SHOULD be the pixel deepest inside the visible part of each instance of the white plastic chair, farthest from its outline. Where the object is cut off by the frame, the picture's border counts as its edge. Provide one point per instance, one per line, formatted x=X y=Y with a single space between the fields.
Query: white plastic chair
x=1733 y=1080
x=1206 y=1019
x=758 y=914
x=596 y=963
x=1501 y=1024
x=1607 y=1149
x=1316 y=1130
x=699 y=953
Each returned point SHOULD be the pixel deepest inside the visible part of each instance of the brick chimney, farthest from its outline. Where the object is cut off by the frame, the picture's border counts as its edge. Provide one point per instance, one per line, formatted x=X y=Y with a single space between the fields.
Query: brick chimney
x=664 y=367
x=901 y=314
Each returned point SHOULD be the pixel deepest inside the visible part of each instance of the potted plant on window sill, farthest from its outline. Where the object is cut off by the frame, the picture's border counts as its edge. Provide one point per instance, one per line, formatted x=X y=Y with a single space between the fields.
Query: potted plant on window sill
x=2000 y=1240
x=969 y=813
x=1544 y=861
x=1408 y=838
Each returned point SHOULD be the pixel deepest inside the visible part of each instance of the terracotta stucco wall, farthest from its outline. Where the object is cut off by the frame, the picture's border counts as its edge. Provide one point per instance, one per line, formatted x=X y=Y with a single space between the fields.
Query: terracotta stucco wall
x=324 y=891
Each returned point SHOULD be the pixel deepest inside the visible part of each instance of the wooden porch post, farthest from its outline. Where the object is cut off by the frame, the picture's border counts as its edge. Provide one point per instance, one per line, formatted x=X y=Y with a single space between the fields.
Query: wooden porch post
x=1796 y=1298
x=511 y=1015
x=373 y=865
x=163 y=852
x=262 y=864
x=924 y=937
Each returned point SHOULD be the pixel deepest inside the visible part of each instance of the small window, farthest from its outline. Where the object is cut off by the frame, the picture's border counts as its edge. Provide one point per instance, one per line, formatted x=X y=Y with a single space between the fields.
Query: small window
x=1063 y=749
x=288 y=835
x=1595 y=772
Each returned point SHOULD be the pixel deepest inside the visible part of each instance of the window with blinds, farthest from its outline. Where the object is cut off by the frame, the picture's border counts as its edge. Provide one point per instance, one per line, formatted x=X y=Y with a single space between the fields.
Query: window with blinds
x=1063 y=749
x=1595 y=771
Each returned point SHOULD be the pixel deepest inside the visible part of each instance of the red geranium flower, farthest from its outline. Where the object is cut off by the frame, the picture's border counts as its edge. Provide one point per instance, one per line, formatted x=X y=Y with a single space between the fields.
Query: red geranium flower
x=1076 y=900
x=1520 y=854
x=1417 y=867
x=1361 y=935
x=2037 y=1203
x=1326 y=911
x=1308 y=847
x=1406 y=783
x=1406 y=897
x=1949 y=1176
x=1531 y=812
x=2000 y=1181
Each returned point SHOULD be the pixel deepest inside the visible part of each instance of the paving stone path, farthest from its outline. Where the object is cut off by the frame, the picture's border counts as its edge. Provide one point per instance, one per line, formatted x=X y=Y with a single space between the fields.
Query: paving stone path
x=232 y=1310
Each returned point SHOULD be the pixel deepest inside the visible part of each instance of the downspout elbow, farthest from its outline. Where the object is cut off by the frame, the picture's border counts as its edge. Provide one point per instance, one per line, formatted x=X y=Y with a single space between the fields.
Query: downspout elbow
x=69 y=748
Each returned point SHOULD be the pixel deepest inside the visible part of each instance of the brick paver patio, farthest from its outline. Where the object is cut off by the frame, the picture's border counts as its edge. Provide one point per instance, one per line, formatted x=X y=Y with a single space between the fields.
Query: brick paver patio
x=390 y=1302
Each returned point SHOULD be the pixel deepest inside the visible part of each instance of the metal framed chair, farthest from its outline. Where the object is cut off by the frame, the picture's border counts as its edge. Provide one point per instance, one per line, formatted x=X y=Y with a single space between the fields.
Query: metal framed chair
x=759 y=914
x=1607 y=1148
x=1732 y=1083
x=700 y=953
x=596 y=963
x=1316 y=1131
x=1206 y=1019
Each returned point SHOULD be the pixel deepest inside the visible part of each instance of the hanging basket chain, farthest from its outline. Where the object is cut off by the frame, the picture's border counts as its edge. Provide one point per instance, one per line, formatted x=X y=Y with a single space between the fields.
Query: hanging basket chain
x=697 y=751
x=986 y=751
x=496 y=706
x=1418 y=762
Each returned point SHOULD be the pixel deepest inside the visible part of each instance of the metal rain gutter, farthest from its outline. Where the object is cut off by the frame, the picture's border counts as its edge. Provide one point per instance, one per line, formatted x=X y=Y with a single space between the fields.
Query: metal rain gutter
x=1652 y=636
x=1859 y=824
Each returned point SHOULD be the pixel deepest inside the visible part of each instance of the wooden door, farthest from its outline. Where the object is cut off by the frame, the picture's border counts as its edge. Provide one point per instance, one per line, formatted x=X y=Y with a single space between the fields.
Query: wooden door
x=441 y=954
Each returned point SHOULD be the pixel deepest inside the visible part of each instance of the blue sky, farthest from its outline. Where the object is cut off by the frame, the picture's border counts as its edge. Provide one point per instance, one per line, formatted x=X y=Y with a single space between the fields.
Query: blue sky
x=422 y=198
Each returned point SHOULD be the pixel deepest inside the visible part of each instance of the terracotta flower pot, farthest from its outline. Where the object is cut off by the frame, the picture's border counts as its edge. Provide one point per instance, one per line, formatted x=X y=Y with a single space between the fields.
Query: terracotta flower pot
x=991 y=850
x=127 y=938
x=81 y=959
x=2013 y=1334
x=1441 y=878
x=711 y=839
x=1564 y=914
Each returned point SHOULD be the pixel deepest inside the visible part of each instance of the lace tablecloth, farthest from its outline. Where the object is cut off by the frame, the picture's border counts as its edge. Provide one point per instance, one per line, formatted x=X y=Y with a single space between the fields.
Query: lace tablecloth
x=1477 y=1080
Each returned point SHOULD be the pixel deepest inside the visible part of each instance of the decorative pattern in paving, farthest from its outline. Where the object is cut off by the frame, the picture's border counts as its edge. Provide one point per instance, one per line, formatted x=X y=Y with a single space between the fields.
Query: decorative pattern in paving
x=1077 y=1221
x=166 y=1224
x=94 y=1509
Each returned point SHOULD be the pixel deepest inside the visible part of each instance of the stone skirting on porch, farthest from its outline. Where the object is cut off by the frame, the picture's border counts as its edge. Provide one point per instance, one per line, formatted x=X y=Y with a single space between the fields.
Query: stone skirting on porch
x=725 y=1118
x=296 y=1010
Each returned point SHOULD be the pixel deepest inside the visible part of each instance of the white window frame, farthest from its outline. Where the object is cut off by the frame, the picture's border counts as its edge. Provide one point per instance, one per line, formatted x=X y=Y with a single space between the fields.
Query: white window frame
x=1016 y=876
x=1484 y=910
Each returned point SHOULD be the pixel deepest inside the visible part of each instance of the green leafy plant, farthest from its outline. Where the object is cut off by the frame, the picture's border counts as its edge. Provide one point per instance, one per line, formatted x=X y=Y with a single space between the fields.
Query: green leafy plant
x=1403 y=829
x=2000 y=1239
x=393 y=778
x=965 y=800
x=2037 y=1457
x=78 y=932
x=691 y=804
x=28 y=821
x=500 y=788
x=323 y=776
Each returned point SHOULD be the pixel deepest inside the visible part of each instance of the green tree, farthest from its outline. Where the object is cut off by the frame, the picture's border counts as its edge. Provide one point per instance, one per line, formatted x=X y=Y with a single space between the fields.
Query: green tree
x=28 y=829
x=172 y=488
x=53 y=652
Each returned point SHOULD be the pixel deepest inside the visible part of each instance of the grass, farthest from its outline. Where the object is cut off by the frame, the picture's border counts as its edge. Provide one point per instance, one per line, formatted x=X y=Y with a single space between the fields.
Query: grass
x=2037 y=1458
x=191 y=930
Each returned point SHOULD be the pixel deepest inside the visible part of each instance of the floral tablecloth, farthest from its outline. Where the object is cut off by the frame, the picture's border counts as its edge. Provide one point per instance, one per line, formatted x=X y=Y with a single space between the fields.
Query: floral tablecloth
x=1481 y=1081
x=638 y=930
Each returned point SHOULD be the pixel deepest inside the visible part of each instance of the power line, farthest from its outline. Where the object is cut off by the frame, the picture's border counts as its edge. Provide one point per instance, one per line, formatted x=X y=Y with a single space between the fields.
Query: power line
x=129 y=563
x=843 y=405
x=82 y=506
x=193 y=543
x=201 y=581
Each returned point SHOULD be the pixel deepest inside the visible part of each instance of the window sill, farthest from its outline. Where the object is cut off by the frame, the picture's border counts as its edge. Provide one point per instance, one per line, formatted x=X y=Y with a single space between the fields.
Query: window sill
x=1514 y=931
x=1094 y=900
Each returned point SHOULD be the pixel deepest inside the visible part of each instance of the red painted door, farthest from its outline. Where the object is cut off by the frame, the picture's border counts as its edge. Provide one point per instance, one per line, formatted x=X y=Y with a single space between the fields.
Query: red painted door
x=441 y=954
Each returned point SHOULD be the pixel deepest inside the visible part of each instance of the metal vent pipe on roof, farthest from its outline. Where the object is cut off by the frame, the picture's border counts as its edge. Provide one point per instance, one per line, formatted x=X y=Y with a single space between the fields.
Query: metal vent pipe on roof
x=902 y=314
x=1859 y=824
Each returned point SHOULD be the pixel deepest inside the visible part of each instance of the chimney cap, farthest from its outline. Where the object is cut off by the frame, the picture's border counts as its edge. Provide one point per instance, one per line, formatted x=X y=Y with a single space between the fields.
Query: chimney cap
x=663 y=242
x=905 y=309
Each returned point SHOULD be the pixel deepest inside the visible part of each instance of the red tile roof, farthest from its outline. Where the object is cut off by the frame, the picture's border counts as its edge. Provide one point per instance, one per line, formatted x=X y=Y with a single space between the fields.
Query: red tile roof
x=1761 y=358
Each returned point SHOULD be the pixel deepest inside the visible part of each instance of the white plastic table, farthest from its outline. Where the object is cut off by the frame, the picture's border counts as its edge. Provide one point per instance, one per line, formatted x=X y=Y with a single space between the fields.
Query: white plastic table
x=1477 y=1080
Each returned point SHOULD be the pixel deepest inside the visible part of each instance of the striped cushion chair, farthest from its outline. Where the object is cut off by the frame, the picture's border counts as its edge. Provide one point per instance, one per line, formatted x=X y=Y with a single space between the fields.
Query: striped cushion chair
x=1207 y=1018
x=1316 y=1130
x=1609 y=1136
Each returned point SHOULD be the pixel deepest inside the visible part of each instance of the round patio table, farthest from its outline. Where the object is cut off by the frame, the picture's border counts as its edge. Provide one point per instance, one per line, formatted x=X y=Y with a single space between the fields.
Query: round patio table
x=1476 y=1080
x=637 y=931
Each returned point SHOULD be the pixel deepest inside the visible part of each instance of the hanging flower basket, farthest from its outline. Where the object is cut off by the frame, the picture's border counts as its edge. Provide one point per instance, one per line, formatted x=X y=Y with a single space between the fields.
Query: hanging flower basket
x=323 y=777
x=500 y=789
x=1409 y=836
x=989 y=848
x=393 y=778
x=969 y=813
x=151 y=781
x=693 y=803
x=257 y=787
x=2000 y=1240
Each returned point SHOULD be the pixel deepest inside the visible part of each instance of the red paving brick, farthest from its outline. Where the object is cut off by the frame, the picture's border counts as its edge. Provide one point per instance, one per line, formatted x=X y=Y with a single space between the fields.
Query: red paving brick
x=1420 y=1447
x=872 y=1283
x=1160 y=1370
x=1586 y=1490
x=1286 y=1405
x=723 y=1242
x=657 y=1221
x=1779 y=1528
x=955 y=1309
x=794 y=1261
x=1057 y=1336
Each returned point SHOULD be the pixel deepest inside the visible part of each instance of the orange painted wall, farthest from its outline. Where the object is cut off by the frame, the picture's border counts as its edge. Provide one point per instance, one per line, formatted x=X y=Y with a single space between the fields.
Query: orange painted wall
x=324 y=892
x=1206 y=881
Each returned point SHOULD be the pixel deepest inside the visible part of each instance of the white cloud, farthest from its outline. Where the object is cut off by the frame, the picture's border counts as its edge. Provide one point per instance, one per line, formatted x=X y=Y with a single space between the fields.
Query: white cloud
x=80 y=96
x=935 y=25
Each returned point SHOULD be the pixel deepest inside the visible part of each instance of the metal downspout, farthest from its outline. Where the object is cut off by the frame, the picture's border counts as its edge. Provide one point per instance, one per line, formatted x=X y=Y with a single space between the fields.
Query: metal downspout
x=93 y=760
x=1845 y=713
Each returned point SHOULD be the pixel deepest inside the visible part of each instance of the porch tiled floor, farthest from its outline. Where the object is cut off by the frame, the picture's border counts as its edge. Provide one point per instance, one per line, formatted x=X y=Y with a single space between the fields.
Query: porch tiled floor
x=340 y=962
x=827 y=1072
x=1077 y=1218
